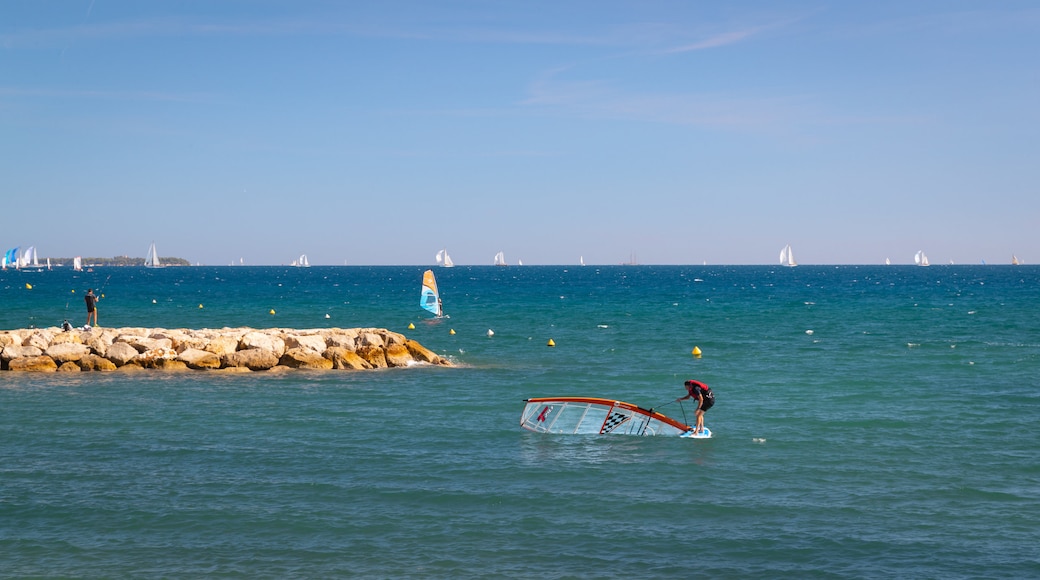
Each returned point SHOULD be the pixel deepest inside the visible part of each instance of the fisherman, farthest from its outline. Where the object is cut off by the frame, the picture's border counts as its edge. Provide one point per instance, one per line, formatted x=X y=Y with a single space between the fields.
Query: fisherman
x=705 y=399
x=91 y=301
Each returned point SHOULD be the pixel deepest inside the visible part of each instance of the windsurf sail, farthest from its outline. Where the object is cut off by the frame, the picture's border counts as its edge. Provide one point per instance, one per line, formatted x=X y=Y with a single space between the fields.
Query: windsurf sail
x=591 y=416
x=430 y=299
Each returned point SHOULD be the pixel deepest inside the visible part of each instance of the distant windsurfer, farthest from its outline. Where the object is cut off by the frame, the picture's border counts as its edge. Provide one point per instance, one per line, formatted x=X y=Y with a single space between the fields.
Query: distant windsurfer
x=701 y=393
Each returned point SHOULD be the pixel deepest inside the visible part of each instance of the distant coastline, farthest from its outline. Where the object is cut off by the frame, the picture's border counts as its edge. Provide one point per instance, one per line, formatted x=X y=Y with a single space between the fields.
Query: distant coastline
x=115 y=261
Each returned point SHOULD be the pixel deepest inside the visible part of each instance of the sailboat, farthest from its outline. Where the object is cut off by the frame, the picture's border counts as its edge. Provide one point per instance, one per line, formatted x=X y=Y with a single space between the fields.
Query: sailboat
x=581 y=260
x=152 y=260
x=444 y=259
x=30 y=261
x=77 y=264
x=500 y=259
x=429 y=297
x=787 y=257
x=920 y=259
x=1014 y=260
x=301 y=262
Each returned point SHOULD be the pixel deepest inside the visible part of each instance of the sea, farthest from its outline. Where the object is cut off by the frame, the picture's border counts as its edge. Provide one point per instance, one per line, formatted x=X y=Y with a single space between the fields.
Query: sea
x=870 y=422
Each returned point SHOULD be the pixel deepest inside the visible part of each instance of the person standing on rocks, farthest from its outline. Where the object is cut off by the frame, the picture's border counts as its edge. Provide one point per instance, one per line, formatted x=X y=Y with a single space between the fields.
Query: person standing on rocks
x=91 y=301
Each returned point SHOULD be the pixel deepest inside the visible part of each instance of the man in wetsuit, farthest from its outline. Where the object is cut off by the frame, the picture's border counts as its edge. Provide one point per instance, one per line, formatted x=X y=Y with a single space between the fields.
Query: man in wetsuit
x=701 y=393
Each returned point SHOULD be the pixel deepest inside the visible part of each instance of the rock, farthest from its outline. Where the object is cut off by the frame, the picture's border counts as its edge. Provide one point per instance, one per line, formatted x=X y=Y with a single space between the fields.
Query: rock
x=304 y=358
x=345 y=359
x=93 y=362
x=343 y=339
x=67 y=352
x=233 y=349
x=371 y=339
x=398 y=356
x=33 y=364
x=262 y=341
x=120 y=353
x=156 y=357
x=17 y=351
x=374 y=356
x=9 y=338
x=313 y=342
x=254 y=359
x=40 y=338
x=144 y=343
x=169 y=364
x=67 y=337
x=199 y=359
x=223 y=345
x=422 y=354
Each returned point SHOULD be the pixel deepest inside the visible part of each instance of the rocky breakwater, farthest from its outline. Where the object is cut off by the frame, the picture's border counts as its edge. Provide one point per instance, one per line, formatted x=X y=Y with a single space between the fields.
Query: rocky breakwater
x=226 y=349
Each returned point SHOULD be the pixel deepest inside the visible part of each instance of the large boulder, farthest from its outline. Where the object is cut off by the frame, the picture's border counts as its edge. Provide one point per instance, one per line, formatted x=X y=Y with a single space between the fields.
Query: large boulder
x=398 y=356
x=222 y=345
x=199 y=359
x=371 y=339
x=33 y=364
x=343 y=338
x=157 y=358
x=67 y=337
x=67 y=352
x=262 y=341
x=343 y=358
x=40 y=338
x=304 y=358
x=10 y=337
x=421 y=353
x=311 y=342
x=14 y=351
x=145 y=343
x=373 y=355
x=120 y=353
x=255 y=359
x=93 y=362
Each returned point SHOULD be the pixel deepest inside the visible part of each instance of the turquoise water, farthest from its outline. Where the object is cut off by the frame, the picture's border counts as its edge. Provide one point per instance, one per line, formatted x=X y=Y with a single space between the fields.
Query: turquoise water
x=899 y=436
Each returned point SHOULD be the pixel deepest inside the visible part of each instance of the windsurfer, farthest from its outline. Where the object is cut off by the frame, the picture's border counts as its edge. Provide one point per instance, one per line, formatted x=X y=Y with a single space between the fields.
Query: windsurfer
x=701 y=393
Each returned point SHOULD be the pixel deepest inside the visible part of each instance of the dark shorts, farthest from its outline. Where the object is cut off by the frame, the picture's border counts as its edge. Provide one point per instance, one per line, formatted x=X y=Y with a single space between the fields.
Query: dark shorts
x=708 y=403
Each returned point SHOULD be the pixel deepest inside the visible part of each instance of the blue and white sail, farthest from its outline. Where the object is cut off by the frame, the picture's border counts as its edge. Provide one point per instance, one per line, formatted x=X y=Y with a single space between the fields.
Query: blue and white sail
x=430 y=298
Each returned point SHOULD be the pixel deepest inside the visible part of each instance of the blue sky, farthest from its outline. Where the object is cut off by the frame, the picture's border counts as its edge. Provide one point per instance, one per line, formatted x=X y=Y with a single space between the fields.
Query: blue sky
x=379 y=132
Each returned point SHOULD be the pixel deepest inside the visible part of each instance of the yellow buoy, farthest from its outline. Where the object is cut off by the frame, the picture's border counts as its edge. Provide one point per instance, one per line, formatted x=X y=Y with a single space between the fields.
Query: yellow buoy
x=28 y=286
x=452 y=331
x=272 y=312
x=73 y=290
x=411 y=326
x=697 y=351
x=551 y=343
x=200 y=306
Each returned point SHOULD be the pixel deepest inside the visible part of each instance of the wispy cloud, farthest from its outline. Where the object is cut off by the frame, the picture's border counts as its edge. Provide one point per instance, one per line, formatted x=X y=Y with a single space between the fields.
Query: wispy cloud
x=720 y=39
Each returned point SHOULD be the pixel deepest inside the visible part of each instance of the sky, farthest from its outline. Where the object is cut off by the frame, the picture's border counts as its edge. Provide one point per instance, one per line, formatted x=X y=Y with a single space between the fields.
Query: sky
x=654 y=131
